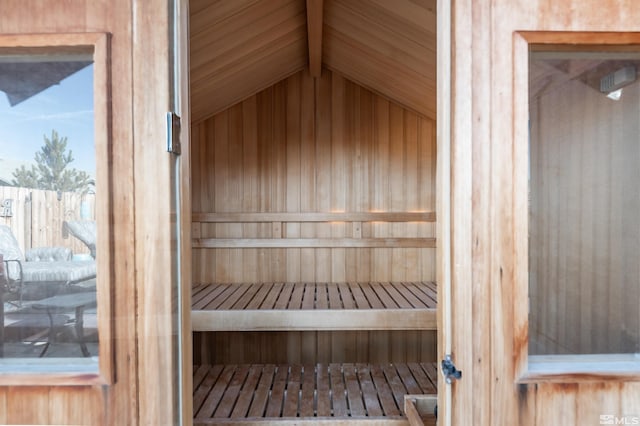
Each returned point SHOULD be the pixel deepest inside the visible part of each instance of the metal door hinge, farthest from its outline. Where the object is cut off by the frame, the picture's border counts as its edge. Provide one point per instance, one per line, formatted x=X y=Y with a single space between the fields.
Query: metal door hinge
x=173 y=133
x=449 y=370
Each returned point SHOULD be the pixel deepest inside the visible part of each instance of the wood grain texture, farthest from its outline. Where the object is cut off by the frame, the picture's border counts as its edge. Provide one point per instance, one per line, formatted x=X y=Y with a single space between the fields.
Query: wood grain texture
x=330 y=162
x=500 y=188
x=284 y=347
x=348 y=388
x=242 y=47
x=387 y=47
x=155 y=258
x=116 y=404
x=314 y=306
x=314 y=36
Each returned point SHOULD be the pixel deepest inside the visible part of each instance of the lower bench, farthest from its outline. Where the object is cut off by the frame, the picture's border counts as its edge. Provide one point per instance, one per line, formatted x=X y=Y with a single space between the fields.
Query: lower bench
x=314 y=306
x=263 y=393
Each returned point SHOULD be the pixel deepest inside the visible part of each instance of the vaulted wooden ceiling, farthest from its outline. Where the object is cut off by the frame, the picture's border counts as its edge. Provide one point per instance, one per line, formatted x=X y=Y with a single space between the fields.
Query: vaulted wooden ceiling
x=240 y=47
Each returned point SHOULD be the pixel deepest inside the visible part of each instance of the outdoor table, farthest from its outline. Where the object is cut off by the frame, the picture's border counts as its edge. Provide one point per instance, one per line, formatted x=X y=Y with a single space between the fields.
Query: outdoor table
x=65 y=303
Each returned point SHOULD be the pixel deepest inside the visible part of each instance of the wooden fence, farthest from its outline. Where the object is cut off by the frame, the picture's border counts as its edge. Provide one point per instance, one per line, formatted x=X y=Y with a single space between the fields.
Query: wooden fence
x=36 y=216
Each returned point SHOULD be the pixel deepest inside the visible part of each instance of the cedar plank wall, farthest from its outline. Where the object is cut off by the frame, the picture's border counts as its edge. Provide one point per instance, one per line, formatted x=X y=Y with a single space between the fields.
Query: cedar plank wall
x=304 y=147
x=116 y=404
x=323 y=146
x=303 y=347
x=482 y=157
x=585 y=152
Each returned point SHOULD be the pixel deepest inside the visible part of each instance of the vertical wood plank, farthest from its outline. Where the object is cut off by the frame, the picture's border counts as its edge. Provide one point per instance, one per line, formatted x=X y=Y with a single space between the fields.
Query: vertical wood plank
x=27 y=405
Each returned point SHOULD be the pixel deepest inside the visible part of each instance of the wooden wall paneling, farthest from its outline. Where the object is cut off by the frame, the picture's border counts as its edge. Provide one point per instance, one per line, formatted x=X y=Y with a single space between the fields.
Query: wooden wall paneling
x=251 y=180
x=479 y=164
x=595 y=399
x=427 y=153
x=354 y=186
x=64 y=411
x=358 y=150
x=116 y=403
x=397 y=185
x=30 y=405
x=313 y=347
x=488 y=29
x=310 y=347
x=323 y=153
x=294 y=347
x=323 y=147
x=556 y=399
x=629 y=397
x=222 y=196
x=365 y=143
x=279 y=172
x=236 y=181
x=308 y=168
x=294 y=170
x=411 y=190
x=339 y=148
x=382 y=186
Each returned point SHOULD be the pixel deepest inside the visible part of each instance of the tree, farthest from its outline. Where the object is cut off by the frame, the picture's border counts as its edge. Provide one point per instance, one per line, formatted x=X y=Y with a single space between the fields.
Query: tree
x=51 y=171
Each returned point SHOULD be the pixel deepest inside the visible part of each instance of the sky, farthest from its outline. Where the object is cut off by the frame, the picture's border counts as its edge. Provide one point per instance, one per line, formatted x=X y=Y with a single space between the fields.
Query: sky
x=66 y=108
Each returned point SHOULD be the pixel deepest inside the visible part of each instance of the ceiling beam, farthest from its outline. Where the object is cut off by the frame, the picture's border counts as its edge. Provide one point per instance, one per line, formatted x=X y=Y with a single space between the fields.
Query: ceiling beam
x=314 y=36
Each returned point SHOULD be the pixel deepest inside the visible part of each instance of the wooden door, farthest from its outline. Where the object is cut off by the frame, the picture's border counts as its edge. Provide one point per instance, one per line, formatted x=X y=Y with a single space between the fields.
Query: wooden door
x=142 y=384
x=496 y=104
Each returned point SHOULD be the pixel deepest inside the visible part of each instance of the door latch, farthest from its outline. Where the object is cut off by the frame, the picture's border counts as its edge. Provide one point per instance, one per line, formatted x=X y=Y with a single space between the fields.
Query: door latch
x=449 y=370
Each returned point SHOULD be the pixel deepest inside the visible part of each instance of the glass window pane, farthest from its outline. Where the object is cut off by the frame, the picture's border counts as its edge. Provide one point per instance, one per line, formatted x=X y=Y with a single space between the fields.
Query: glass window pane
x=584 y=216
x=47 y=215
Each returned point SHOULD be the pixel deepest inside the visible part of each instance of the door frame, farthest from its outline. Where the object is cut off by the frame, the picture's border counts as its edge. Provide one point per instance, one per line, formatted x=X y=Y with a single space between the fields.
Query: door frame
x=182 y=106
x=443 y=202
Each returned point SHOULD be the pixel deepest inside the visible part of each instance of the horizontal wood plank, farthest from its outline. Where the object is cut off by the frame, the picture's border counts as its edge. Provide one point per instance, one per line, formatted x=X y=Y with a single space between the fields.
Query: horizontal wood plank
x=300 y=320
x=230 y=217
x=314 y=243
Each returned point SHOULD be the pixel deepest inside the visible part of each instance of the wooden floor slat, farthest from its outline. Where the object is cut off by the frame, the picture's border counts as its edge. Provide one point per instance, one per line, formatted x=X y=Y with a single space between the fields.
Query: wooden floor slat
x=261 y=396
x=245 y=396
x=335 y=391
x=369 y=393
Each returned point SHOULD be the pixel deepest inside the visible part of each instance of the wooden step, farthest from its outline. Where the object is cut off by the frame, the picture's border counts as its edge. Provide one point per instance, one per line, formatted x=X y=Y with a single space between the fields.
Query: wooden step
x=263 y=393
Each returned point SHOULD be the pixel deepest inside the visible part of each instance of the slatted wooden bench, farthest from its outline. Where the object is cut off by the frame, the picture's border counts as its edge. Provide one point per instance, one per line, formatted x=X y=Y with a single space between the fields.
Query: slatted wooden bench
x=321 y=393
x=314 y=306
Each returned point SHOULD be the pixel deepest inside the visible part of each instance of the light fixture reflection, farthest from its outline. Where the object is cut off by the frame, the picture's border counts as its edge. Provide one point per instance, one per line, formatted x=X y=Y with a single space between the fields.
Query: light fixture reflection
x=615 y=95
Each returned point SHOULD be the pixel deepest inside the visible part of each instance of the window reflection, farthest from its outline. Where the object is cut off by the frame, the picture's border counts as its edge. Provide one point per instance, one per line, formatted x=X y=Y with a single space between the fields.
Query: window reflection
x=47 y=199
x=584 y=281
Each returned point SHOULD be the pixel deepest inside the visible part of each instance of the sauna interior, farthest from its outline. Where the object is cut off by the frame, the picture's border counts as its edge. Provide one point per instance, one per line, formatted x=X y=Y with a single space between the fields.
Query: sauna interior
x=313 y=137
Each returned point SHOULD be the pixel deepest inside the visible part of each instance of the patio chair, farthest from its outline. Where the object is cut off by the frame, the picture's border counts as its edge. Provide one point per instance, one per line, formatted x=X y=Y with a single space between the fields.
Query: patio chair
x=84 y=230
x=44 y=270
